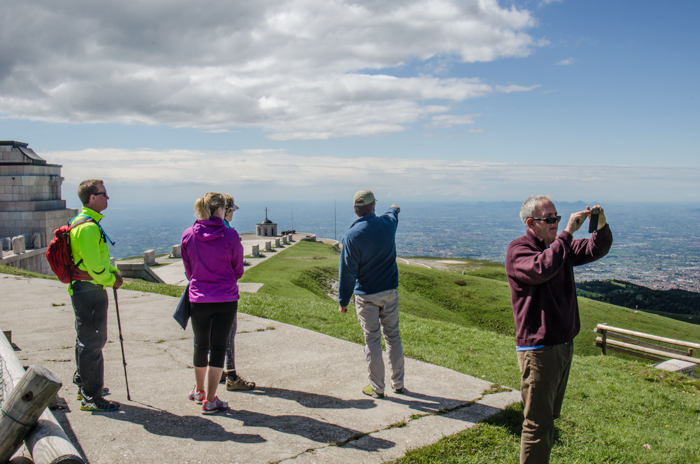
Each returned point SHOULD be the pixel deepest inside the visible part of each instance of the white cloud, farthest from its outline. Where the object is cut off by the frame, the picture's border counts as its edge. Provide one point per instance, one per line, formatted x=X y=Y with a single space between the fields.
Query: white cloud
x=565 y=62
x=446 y=121
x=146 y=175
x=515 y=88
x=299 y=69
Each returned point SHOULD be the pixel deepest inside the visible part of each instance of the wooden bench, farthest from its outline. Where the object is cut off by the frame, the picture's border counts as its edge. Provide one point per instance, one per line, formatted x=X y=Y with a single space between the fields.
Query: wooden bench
x=624 y=341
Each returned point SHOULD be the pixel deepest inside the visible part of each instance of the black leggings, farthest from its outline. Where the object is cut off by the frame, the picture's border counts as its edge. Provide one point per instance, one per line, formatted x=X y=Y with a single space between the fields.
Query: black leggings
x=211 y=324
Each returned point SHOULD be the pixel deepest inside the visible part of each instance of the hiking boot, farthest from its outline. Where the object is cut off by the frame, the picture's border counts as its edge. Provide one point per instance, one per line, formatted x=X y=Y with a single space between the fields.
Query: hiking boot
x=369 y=391
x=239 y=384
x=223 y=377
x=212 y=407
x=105 y=392
x=398 y=390
x=197 y=396
x=99 y=405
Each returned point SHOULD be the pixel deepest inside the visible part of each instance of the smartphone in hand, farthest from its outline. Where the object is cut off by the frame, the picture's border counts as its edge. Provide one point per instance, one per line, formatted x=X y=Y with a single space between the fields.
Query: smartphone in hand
x=593 y=221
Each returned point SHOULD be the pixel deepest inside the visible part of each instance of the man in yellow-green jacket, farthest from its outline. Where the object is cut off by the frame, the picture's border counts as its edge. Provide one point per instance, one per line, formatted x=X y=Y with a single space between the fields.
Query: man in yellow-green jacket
x=89 y=297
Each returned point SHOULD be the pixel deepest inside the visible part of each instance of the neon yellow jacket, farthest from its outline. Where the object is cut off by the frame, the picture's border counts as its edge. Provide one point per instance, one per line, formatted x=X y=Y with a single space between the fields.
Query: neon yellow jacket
x=89 y=245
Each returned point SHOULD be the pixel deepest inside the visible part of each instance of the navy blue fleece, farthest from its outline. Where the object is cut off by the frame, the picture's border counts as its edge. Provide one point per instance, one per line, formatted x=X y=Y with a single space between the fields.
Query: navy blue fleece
x=368 y=258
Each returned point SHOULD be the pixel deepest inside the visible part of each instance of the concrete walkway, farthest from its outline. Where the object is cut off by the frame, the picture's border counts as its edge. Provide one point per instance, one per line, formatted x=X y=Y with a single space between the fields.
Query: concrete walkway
x=172 y=271
x=308 y=406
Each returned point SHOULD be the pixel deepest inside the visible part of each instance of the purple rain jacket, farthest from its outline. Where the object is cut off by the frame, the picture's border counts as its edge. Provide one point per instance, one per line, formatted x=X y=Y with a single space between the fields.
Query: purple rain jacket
x=213 y=259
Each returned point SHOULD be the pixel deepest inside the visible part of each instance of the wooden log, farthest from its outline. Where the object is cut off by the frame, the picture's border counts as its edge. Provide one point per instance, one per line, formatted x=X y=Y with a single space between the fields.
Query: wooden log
x=21 y=410
x=633 y=353
x=650 y=351
x=47 y=442
x=672 y=341
x=625 y=338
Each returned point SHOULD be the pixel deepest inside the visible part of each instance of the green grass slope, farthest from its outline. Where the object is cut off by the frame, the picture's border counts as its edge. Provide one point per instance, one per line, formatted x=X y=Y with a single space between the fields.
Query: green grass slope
x=613 y=407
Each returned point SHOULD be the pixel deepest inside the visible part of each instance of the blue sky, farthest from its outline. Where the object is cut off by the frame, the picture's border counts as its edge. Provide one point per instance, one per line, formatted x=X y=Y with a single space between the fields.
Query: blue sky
x=314 y=99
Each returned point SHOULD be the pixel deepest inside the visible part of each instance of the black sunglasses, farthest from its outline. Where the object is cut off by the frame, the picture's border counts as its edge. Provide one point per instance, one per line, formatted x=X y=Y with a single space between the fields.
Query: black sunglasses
x=100 y=193
x=548 y=220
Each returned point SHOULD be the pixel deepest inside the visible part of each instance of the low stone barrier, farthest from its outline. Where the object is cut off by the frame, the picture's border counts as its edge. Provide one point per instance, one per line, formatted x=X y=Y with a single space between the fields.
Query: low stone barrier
x=149 y=257
x=18 y=246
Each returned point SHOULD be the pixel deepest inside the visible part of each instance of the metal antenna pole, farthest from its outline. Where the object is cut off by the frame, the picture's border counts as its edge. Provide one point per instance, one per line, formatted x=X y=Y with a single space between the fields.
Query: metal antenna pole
x=121 y=341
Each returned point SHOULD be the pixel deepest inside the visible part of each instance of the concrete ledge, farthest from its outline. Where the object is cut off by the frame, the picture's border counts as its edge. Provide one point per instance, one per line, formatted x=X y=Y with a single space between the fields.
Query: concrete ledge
x=7 y=259
x=139 y=271
x=676 y=365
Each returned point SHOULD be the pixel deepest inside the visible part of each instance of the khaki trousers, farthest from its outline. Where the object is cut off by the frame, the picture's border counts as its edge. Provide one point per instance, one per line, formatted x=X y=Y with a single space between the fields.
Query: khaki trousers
x=545 y=373
x=380 y=311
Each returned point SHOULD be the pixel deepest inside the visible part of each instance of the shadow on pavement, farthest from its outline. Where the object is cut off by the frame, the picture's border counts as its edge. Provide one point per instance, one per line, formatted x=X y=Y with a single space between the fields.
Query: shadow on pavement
x=314 y=400
x=60 y=415
x=307 y=427
x=424 y=403
x=160 y=422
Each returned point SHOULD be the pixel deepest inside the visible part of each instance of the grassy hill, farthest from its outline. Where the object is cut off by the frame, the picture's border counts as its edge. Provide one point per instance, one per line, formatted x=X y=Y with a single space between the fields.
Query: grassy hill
x=678 y=304
x=613 y=405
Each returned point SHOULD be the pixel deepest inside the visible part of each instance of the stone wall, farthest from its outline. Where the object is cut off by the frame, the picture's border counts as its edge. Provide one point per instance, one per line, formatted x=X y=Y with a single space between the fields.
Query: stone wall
x=30 y=200
x=30 y=205
x=31 y=260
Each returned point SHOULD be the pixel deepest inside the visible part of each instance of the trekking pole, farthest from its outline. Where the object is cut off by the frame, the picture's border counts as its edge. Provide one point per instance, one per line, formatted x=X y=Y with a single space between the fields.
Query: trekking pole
x=121 y=341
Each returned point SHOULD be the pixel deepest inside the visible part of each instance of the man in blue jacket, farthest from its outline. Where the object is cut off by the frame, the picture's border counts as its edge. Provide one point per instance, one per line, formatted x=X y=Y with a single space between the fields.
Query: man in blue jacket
x=368 y=267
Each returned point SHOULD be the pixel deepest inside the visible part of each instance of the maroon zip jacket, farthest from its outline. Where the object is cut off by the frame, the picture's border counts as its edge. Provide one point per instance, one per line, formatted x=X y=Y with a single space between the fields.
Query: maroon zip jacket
x=542 y=287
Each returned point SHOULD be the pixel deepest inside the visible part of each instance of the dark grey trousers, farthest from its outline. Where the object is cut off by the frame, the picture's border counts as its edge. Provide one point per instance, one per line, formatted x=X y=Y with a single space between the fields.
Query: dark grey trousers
x=231 y=346
x=90 y=306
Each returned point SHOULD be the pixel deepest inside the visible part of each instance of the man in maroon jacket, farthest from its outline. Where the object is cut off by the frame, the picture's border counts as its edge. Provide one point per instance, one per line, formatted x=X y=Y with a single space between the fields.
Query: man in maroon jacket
x=540 y=269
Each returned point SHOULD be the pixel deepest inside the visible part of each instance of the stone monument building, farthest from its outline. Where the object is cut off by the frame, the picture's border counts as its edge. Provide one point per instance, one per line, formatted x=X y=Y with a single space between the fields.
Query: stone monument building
x=30 y=206
x=266 y=228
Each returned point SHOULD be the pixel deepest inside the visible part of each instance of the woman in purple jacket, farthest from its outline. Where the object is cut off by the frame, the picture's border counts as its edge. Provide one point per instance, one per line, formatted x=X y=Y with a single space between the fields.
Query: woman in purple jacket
x=213 y=259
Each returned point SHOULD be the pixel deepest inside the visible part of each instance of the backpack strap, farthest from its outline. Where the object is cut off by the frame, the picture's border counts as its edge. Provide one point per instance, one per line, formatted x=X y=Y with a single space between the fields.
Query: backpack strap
x=85 y=218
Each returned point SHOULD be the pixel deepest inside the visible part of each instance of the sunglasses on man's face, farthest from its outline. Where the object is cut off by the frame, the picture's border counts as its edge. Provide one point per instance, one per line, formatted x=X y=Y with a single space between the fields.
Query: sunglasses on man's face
x=548 y=220
x=100 y=193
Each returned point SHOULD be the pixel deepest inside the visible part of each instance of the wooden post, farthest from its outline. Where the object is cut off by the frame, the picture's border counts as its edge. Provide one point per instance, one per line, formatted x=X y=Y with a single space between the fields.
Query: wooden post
x=605 y=342
x=27 y=400
x=47 y=442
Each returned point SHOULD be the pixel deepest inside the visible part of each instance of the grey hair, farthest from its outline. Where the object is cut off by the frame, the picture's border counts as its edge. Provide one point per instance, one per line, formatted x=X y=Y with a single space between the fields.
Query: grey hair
x=528 y=208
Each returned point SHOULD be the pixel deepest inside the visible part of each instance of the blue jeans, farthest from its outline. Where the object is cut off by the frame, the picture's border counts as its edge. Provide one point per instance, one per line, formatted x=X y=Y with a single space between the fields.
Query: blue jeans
x=90 y=306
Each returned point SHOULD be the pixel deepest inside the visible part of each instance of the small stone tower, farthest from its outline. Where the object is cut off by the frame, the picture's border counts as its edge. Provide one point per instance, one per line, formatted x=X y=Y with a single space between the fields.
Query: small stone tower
x=30 y=206
x=266 y=228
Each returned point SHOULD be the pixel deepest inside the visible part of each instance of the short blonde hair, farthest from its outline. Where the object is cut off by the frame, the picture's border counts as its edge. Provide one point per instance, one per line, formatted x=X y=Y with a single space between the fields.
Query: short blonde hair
x=205 y=207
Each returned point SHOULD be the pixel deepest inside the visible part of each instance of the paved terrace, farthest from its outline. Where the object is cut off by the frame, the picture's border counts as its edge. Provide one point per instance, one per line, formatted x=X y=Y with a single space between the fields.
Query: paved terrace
x=307 y=407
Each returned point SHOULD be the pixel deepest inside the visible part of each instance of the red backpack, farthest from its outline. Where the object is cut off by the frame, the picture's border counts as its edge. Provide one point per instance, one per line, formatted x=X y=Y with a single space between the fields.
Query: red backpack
x=60 y=255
